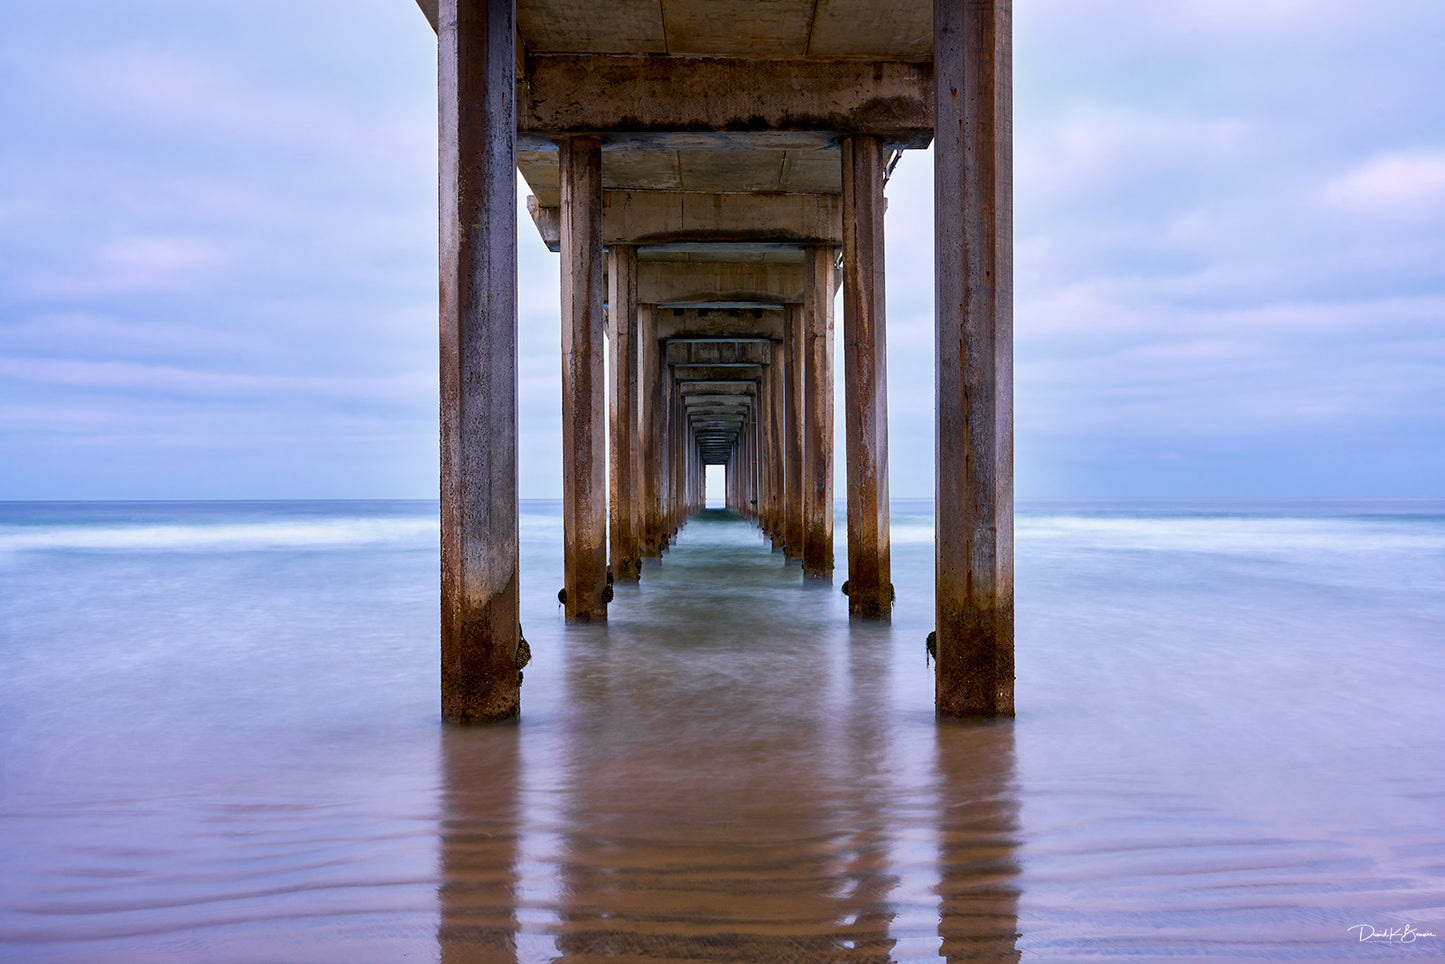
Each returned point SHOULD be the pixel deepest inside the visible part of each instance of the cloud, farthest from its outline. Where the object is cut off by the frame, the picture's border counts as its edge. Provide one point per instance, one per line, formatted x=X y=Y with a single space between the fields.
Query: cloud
x=1407 y=185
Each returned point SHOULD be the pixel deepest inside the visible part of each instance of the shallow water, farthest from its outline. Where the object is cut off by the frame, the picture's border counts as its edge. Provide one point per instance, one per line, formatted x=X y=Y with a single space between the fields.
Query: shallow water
x=218 y=742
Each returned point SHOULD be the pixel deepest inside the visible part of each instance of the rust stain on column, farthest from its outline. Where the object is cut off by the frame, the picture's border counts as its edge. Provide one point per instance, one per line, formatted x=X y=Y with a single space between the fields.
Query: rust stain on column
x=584 y=510
x=625 y=555
x=973 y=208
x=478 y=337
x=865 y=378
x=818 y=414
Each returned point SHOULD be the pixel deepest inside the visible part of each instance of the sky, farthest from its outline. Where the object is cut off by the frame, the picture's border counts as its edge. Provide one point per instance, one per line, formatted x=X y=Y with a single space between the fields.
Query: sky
x=218 y=254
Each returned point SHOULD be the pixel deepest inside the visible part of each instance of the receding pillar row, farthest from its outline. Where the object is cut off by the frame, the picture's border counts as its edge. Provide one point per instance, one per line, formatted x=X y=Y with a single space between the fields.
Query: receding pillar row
x=817 y=345
x=865 y=380
x=973 y=212
x=478 y=355
x=584 y=508
x=625 y=555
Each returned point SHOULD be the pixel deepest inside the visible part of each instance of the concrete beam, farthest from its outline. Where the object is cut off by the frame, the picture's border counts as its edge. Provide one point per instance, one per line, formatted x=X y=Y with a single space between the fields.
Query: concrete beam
x=714 y=373
x=754 y=351
x=660 y=217
x=689 y=389
x=642 y=102
x=722 y=322
x=685 y=282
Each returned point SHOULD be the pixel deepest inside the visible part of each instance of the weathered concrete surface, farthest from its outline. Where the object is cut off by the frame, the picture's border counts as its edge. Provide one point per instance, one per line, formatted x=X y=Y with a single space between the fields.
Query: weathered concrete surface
x=817 y=409
x=478 y=357
x=634 y=94
x=865 y=378
x=584 y=493
x=624 y=501
x=973 y=205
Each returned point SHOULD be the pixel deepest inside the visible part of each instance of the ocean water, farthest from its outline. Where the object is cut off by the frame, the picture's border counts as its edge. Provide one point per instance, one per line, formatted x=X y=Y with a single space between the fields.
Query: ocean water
x=219 y=742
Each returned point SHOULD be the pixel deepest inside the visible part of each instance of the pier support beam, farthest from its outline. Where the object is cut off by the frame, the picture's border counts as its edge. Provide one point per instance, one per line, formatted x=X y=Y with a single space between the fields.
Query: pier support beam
x=865 y=380
x=817 y=345
x=584 y=510
x=973 y=211
x=624 y=504
x=478 y=355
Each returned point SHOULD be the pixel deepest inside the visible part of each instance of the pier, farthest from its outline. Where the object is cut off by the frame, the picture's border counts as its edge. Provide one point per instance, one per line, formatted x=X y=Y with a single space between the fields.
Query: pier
x=712 y=173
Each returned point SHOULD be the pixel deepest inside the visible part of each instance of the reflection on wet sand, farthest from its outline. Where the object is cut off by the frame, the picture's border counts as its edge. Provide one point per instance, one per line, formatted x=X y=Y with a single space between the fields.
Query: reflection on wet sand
x=479 y=837
x=722 y=784
x=977 y=828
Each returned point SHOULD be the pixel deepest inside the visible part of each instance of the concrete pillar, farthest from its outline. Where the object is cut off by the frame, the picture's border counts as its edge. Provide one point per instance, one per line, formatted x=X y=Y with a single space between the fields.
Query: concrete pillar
x=584 y=509
x=793 y=429
x=779 y=447
x=818 y=414
x=625 y=556
x=973 y=211
x=650 y=374
x=865 y=380
x=766 y=459
x=478 y=358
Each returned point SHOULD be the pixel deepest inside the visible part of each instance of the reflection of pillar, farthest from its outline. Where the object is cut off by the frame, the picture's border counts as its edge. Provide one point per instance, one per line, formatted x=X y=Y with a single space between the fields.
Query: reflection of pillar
x=478 y=357
x=868 y=728
x=977 y=832
x=818 y=414
x=622 y=503
x=479 y=831
x=584 y=509
x=973 y=225
x=650 y=389
x=793 y=427
x=865 y=377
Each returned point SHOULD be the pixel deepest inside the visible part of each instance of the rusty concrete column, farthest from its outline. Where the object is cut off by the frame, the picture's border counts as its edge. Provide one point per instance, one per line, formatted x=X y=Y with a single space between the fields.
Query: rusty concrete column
x=676 y=451
x=478 y=357
x=818 y=413
x=793 y=429
x=779 y=447
x=624 y=555
x=973 y=211
x=650 y=419
x=766 y=458
x=584 y=508
x=865 y=380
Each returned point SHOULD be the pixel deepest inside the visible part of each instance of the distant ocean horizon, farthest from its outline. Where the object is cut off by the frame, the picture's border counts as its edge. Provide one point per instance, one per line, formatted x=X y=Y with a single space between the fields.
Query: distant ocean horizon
x=219 y=741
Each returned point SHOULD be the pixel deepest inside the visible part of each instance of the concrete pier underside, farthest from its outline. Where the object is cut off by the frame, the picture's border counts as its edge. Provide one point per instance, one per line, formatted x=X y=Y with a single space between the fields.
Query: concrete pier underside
x=711 y=173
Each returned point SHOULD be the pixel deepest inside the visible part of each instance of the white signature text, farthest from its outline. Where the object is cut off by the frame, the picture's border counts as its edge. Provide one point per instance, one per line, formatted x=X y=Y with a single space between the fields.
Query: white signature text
x=1404 y=934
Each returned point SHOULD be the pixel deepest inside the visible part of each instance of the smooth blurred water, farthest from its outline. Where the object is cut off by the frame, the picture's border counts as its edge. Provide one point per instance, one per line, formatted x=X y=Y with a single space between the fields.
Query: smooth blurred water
x=219 y=742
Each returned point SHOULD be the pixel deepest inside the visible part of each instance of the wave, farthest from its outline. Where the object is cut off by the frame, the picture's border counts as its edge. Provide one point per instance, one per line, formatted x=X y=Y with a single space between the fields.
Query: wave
x=210 y=536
